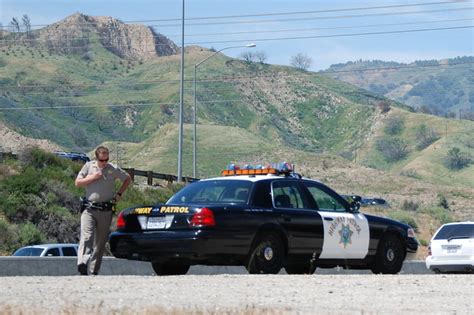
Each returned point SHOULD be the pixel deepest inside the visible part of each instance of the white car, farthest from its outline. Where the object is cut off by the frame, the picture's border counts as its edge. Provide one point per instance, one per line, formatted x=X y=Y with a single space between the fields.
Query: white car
x=452 y=248
x=47 y=250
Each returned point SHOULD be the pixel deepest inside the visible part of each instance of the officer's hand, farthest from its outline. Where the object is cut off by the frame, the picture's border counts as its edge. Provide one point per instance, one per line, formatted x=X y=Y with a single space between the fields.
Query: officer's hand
x=96 y=175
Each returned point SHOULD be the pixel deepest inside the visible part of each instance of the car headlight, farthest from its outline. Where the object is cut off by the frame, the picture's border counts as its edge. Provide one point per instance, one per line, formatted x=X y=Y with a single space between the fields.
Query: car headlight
x=411 y=233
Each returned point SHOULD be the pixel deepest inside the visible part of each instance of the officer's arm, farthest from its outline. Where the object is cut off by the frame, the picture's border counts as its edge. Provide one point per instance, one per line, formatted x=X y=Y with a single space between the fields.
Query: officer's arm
x=124 y=186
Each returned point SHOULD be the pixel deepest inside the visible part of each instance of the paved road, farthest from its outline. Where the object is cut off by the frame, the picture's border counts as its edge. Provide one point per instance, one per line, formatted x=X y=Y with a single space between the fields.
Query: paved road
x=239 y=294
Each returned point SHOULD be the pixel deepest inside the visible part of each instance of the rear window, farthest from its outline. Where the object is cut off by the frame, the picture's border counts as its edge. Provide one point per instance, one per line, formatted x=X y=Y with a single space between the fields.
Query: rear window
x=214 y=192
x=455 y=231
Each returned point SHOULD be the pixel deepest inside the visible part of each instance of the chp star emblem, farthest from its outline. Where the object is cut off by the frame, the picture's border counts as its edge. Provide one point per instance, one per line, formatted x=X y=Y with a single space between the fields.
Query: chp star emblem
x=346 y=233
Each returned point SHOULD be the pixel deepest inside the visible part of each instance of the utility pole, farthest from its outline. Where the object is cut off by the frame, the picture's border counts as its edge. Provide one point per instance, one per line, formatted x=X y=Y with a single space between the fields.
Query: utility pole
x=181 y=95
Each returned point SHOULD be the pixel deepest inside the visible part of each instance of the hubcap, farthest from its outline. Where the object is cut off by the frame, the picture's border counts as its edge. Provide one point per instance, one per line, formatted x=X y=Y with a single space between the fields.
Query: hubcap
x=268 y=253
x=390 y=254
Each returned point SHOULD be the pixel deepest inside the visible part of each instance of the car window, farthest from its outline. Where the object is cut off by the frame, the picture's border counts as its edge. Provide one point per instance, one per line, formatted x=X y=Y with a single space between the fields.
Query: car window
x=325 y=200
x=29 y=251
x=69 y=251
x=454 y=231
x=262 y=196
x=288 y=194
x=53 y=252
x=213 y=191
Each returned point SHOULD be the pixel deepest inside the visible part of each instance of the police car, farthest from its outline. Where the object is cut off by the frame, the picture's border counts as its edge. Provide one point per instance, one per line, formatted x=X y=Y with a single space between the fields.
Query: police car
x=264 y=218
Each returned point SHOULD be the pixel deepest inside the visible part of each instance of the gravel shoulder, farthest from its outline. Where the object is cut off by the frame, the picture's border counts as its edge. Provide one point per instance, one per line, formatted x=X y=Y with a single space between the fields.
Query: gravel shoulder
x=239 y=294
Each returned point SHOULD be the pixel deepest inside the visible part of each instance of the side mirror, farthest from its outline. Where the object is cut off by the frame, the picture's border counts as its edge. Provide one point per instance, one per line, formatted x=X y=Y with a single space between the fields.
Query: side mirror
x=354 y=202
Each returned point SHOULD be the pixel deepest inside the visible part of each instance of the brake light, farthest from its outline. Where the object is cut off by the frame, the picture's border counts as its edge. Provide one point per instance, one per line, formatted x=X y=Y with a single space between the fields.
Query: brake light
x=120 y=221
x=204 y=217
x=429 y=250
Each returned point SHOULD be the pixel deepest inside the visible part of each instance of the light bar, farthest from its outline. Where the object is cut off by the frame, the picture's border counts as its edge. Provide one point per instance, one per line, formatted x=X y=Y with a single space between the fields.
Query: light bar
x=274 y=168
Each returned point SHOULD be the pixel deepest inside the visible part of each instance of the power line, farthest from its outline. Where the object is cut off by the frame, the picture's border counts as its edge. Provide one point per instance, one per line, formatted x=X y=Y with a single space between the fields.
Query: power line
x=318 y=18
x=36 y=40
x=283 y=13
x=336 y=35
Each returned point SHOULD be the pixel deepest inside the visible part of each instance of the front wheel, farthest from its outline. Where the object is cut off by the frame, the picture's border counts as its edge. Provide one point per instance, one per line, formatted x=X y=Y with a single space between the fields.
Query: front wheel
x=389 y=257
x=268 y=255
x=167 y=269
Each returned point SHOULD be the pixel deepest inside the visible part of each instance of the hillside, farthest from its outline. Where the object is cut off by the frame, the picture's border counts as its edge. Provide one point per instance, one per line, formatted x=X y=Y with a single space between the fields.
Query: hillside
x=438 y=86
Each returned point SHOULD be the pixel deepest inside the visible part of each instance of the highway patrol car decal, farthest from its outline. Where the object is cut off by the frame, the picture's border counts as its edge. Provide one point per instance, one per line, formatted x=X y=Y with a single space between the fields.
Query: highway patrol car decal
x=346 y=235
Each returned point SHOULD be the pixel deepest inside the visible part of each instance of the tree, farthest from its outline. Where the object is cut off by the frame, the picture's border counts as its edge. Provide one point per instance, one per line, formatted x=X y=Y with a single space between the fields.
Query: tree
x=392 y=149
x=301 y=61
x=260 y=56
x=15 y=24
x=27 y=25
x=248 y=56
x=394 y=126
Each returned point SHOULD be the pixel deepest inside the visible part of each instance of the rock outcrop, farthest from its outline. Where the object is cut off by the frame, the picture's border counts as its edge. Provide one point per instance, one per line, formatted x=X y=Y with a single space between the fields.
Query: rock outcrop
x=79 y=33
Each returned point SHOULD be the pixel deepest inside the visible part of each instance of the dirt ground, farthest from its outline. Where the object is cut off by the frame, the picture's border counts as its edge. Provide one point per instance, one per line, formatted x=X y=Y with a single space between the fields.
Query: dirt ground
x=239 y=294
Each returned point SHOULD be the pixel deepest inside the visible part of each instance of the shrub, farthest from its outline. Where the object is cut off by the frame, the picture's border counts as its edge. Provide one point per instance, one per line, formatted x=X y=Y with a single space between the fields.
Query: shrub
x=29 y=234
x=439 y=214
x=443 y=202
x=392 y=149
x=456 y=160
x=394 y=126
x=409 y=205
x=424 y=137
x=56 y=224
x=405 y=218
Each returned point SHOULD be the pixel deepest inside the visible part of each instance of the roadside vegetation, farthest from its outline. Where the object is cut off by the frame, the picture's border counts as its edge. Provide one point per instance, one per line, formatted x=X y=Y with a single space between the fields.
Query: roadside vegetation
x=39 y=202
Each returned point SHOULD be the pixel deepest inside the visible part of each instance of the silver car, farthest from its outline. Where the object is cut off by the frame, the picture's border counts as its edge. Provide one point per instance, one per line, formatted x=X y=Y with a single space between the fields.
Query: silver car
x=48 y=250
x=452 y=248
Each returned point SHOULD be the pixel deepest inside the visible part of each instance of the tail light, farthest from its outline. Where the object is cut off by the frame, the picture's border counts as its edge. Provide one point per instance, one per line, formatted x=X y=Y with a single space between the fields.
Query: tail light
x=429 y=250
x=120 y=221
x=204 y=217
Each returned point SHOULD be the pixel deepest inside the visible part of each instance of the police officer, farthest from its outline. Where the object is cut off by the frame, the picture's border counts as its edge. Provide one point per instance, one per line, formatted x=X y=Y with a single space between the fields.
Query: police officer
x=98 y=177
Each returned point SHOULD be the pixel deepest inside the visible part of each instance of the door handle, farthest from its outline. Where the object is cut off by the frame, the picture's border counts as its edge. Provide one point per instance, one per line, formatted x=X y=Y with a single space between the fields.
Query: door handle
x=328 y=219
x=286 y=218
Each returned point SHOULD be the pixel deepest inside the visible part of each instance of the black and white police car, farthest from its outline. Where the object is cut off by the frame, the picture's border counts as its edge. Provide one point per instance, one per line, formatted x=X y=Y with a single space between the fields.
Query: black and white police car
x=265 y=218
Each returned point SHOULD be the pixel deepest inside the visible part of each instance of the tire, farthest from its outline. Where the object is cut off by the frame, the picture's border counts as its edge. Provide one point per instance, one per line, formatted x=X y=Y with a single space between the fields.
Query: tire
x=268 y=255
x=389 y=257
x=163 y=269
x=300 y=269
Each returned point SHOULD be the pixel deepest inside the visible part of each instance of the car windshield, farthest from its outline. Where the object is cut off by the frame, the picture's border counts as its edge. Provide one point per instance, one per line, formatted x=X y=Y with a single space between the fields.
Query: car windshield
x=29 y=251
x=454 y=231
x=214 y=192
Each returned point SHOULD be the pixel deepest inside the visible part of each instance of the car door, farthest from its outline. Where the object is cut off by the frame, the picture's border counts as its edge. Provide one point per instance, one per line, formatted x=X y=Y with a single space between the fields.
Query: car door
x=296 y=213
x=346 y=234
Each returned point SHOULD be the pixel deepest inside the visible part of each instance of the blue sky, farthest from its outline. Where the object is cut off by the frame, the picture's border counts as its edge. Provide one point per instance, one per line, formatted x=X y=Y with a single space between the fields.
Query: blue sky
x=275 y=25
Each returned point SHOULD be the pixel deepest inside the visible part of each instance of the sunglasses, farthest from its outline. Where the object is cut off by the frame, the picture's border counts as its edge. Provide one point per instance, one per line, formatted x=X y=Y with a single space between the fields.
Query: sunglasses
x=106 y=160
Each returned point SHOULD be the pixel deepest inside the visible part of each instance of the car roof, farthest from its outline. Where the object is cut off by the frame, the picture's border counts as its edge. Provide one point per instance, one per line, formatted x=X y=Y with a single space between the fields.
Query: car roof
x=50 y=245
x=457 y=223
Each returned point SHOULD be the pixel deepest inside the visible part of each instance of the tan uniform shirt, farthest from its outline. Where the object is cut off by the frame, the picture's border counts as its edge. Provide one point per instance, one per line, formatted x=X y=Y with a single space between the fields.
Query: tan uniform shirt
x=103 y=189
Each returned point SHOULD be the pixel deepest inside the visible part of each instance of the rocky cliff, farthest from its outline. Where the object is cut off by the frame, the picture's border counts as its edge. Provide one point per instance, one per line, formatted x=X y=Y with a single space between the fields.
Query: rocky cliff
x=80 y=33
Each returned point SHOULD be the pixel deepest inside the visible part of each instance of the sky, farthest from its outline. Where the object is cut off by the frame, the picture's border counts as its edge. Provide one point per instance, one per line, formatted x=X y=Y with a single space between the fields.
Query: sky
x=329 y=32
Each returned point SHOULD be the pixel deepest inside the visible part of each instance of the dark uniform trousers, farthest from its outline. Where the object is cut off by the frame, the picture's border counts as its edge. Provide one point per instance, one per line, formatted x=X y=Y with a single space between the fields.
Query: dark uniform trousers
x=95 y=226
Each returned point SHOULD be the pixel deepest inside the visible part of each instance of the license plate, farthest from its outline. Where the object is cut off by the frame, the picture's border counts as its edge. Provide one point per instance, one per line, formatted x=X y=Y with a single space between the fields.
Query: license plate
x=451 y=249
x=163 y=222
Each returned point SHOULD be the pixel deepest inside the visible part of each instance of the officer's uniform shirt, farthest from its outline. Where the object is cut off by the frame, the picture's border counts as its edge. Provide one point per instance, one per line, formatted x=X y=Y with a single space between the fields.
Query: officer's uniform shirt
x=103 y=189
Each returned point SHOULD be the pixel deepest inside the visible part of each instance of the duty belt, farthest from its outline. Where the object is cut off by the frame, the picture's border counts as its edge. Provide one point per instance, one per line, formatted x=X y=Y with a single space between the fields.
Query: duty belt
x=99 y=206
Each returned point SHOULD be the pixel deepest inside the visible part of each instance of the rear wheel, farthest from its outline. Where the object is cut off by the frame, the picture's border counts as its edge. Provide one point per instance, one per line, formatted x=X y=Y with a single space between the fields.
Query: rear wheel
x=389 y=257
x=167 y=269
x=268 y=255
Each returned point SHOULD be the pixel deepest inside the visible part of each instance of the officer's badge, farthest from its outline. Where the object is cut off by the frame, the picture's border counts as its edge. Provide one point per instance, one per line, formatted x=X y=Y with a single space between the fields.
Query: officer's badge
x=346 y=234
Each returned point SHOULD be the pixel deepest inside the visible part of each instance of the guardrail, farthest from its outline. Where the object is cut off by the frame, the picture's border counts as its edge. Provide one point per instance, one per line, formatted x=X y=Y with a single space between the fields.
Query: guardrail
x=11 y=266
x=150 y=175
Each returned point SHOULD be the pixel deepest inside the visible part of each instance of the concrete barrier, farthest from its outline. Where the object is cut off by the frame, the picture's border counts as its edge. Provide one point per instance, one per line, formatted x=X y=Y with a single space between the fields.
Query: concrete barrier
x=66 y=266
